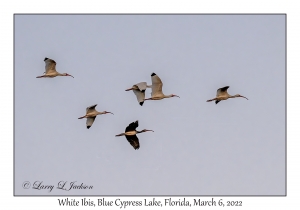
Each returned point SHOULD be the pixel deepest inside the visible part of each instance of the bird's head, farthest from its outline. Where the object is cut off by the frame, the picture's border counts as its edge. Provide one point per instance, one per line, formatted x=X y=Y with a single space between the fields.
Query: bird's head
x=66 y=74
x=145 y=130
x=238 y=95
x=105 y=112
x=172 y=95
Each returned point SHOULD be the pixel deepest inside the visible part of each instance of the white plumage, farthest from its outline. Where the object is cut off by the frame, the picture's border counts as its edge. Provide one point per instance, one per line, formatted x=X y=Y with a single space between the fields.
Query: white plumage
x=50 y=70
x=157 y=85
x=91 y=114
x=139 y=91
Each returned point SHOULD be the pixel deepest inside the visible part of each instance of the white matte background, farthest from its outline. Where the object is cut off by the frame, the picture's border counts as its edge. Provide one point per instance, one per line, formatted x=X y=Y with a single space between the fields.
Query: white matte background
x=6 y=150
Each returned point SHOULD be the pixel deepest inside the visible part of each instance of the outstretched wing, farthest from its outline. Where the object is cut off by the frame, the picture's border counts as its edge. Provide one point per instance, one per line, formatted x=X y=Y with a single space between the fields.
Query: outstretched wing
x=134 y=141
x=222 y=91
x=90 y=121
x=142 y=86
x=91 y=108
x=156 y=85
x=140 y=96
x=132 y=126
x=50 y=65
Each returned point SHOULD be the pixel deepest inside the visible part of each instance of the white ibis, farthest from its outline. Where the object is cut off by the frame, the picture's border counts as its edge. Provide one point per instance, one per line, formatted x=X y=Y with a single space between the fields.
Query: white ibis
x=130 y=134
x=91 y=114
x=51 y=69
x=223 y=95
x=157 y=93
x=139 y=91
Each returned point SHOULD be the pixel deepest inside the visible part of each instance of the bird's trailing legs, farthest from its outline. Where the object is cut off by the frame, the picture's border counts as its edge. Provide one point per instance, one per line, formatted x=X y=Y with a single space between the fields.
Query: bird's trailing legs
x=40 y=76
x=211 y=100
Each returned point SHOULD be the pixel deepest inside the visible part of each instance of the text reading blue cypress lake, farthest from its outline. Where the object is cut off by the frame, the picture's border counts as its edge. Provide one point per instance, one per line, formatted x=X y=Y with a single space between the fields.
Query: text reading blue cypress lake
x=147 y=202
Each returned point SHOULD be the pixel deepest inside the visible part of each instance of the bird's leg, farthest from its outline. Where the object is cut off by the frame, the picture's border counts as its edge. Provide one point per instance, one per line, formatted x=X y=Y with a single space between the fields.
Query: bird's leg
x=148 y=99
x=82 y=117
x=121 y=134
x=40 y=76
x=211 y=100
x=129 y=89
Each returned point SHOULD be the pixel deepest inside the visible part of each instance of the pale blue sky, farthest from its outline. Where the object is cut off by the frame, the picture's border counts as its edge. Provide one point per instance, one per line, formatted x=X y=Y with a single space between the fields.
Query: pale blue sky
x=234 y=148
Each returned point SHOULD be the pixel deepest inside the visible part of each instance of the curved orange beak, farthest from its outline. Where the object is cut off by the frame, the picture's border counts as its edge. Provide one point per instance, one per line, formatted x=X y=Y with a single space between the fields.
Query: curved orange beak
x=70 y=75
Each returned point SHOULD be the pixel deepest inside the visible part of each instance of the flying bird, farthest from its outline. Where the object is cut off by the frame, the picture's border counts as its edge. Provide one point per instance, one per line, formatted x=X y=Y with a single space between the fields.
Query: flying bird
x=157 y=93
x=91 y=114
x=130 y=134
x=139 y=91
x=51 y=69
x=223 y=95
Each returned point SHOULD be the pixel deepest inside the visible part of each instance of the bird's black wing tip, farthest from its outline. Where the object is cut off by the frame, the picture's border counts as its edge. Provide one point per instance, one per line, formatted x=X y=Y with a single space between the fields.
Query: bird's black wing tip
x=217 y=101
x=88 y=127
x=153 y=74
x=141 y=103
x=225 y=88
x=46 y=58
